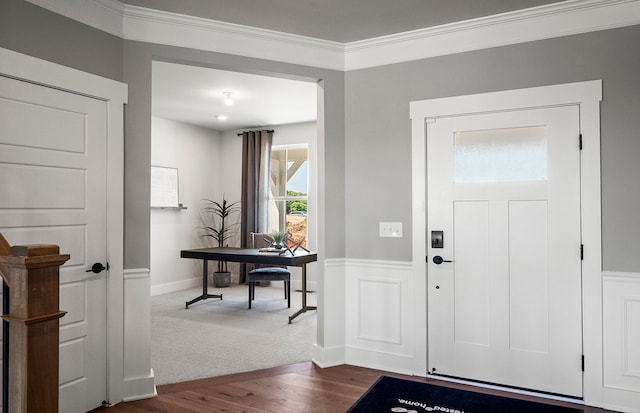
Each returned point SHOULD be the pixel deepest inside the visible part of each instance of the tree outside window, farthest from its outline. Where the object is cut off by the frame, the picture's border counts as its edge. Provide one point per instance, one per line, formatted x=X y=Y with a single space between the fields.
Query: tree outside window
x=289 y=191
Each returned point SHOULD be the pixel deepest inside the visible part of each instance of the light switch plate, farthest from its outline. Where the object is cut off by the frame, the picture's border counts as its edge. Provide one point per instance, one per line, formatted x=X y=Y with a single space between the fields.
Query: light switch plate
x=391 y=229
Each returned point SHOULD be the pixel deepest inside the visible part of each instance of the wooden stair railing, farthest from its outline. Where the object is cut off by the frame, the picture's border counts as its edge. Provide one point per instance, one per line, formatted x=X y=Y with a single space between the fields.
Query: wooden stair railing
x=32 y=273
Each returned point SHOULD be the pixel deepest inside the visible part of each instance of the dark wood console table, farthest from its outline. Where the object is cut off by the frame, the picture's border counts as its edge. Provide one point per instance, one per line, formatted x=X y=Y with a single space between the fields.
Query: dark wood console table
x=251 y=256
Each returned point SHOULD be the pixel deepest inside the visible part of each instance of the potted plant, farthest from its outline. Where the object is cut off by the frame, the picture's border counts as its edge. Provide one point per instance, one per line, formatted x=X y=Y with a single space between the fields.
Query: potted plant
x=217 y=216
x=278 y=239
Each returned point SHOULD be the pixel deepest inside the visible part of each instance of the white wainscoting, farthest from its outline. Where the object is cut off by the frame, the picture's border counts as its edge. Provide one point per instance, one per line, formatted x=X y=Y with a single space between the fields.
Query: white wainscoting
x=378 y=318
x=329 y=347
x=139 y=382
x=621 y=340
x=379 y=323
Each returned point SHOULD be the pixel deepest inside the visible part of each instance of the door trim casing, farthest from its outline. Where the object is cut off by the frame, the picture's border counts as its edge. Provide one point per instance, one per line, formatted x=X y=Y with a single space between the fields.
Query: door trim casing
x=114 y=94
x=587 y=96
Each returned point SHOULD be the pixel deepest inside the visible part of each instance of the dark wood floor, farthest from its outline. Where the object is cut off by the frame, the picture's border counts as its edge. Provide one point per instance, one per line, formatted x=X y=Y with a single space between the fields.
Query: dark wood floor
x=298 y=388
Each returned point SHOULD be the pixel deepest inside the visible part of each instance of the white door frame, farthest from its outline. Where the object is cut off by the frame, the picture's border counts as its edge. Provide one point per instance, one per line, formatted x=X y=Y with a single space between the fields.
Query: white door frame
x=587 y=95
x=30 y=69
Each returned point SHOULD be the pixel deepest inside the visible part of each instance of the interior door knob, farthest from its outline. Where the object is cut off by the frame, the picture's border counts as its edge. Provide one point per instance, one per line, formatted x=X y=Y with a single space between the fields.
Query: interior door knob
x=439 y=260
x=97 y=268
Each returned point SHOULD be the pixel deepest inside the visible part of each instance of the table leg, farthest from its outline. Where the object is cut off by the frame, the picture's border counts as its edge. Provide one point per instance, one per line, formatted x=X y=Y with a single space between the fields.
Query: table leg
x=305 y=307
x=205 y=290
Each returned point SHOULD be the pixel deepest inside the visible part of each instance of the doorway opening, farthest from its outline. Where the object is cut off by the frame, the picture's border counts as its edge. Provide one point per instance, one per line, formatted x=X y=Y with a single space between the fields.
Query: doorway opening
x=194 y=131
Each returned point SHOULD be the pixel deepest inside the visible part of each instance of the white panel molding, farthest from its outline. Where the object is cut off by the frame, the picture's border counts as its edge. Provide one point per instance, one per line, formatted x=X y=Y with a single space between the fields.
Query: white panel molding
x=537 y=23
x=621 y=383
x=390 y=347
x=365 y=322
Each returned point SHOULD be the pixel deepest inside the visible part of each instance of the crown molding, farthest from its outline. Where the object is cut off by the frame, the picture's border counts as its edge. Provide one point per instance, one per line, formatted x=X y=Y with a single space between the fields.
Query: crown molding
x=544 y=22
x=173 y=29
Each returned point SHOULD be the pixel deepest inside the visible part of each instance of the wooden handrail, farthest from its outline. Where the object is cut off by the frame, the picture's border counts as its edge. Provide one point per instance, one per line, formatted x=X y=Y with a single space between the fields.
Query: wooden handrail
x=33 y=275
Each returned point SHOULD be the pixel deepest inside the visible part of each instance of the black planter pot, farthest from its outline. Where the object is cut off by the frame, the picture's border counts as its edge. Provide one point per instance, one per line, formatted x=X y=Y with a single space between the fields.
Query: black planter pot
x=221 y=279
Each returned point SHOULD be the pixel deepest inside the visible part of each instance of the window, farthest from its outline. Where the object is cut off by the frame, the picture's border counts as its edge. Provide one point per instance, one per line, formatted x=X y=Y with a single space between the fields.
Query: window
x=289 y=189
x=501 y=155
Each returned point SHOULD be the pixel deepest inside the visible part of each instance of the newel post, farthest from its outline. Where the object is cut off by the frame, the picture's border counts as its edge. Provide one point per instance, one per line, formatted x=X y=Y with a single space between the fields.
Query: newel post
x=33 y=273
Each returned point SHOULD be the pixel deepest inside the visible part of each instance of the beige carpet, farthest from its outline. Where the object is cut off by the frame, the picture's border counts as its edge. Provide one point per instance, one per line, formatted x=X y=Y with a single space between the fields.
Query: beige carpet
x=215 y=337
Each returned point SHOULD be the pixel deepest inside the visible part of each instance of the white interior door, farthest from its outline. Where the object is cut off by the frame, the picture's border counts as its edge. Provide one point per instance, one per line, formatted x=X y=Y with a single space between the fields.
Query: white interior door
x=504 y=189
x=53 y=186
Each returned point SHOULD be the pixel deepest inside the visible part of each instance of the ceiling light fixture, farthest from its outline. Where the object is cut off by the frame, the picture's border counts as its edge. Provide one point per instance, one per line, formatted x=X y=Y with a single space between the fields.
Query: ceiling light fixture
x=227 y=98
x=222 y=117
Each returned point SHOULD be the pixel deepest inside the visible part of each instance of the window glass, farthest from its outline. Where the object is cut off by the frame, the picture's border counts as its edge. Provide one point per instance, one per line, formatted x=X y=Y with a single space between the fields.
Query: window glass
x=499 y=155
x=289 y=192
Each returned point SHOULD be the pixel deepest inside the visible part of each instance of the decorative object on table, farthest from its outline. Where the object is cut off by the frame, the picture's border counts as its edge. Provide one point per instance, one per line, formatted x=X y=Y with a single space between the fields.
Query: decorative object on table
x=218 y=225
x=293 y=245
x=278 y=239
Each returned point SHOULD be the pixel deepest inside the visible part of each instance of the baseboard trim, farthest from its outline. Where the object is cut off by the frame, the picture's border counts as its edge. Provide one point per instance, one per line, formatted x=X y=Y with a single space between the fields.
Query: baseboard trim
x=328 y=356
x=176 y=286
x=378 y=360
x=138 y=388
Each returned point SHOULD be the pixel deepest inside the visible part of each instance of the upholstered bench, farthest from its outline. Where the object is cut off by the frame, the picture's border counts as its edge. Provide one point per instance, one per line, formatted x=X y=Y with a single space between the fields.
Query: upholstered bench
x=270 y=274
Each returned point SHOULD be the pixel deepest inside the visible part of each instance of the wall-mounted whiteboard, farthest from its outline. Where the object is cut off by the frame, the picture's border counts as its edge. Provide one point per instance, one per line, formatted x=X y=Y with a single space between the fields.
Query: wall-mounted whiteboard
x=164 y=187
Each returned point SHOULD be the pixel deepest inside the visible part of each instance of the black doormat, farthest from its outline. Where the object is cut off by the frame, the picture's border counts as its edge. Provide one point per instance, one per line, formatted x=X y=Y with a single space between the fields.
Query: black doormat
x=389 y=394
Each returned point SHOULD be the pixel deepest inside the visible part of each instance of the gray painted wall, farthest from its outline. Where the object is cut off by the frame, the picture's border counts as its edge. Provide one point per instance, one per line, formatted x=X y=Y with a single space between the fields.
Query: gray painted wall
x=367 y=148
x=34 y=31
x=378 y=131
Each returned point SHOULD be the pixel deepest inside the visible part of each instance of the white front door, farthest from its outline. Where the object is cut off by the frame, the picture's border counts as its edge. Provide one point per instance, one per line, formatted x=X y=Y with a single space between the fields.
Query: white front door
x=504 y=189
x=53 y=186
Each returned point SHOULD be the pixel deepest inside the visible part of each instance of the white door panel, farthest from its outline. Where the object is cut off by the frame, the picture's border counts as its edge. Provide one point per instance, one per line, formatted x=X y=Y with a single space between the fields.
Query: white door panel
x=53 y=181
x=505 y=189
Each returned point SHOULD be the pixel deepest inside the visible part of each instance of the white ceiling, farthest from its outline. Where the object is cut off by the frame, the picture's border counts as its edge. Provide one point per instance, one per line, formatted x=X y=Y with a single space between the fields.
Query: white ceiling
x=194 y=95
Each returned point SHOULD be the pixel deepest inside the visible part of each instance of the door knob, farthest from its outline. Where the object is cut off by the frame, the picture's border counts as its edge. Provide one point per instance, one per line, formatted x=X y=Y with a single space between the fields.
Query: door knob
x=97 y=267
x=439 y=260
